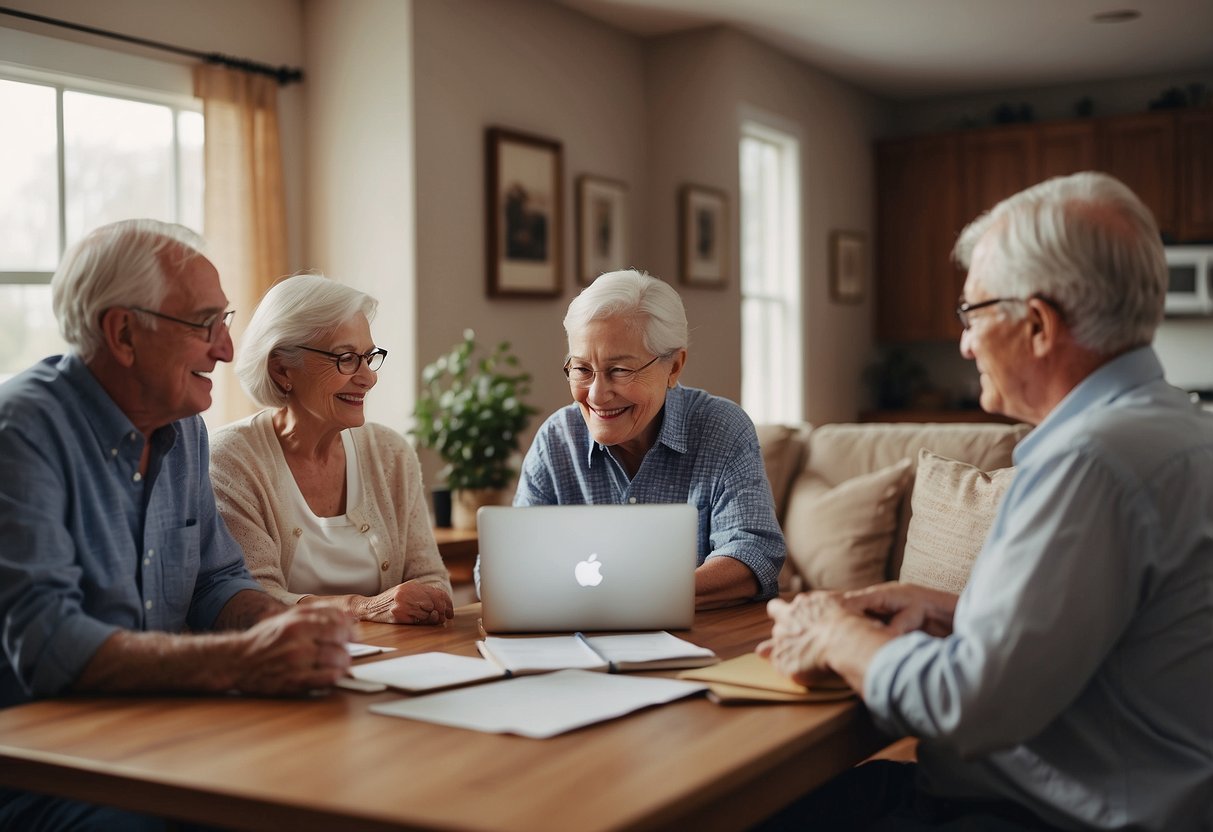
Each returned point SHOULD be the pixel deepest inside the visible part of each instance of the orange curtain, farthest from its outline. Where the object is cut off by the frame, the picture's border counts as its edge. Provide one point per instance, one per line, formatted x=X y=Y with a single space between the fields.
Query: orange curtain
x=245 y=213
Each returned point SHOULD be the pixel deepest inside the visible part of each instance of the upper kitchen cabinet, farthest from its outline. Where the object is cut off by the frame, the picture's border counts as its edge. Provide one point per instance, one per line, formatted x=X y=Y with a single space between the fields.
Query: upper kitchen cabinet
x=929 y=187
x=918 y=217
x=1140 y=151
x=1195 y=175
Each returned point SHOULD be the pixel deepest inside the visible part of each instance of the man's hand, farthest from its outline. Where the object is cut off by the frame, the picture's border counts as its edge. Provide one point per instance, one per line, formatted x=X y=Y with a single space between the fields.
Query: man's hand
x=816 y=636
x=904 y=607
x=302 y=649
x=411 y=603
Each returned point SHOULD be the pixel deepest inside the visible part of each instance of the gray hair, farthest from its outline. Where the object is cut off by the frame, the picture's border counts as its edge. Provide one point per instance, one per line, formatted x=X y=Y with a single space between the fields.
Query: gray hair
x=638 y=296
x=123 y=263
x=300 y=309
x=1087 y=243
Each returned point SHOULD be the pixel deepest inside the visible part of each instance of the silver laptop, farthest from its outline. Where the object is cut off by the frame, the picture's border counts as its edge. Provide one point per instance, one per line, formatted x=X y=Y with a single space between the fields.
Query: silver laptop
x=604 y=567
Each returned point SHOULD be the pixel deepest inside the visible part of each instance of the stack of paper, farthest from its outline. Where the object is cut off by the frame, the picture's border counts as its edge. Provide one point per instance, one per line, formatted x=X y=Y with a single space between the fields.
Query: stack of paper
x=426 y=671
x=541 y=706
x=751 y=678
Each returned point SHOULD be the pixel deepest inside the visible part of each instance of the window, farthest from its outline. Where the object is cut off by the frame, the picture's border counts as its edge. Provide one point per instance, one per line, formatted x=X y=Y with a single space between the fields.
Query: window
x=81 y=158
x=771 y=379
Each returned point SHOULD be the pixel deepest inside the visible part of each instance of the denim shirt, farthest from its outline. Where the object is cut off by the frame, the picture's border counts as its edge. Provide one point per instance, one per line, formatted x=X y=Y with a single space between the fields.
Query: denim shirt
x=88 y=546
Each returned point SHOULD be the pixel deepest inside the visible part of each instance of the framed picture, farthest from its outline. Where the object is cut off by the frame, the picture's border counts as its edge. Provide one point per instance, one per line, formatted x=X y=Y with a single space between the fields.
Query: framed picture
x=703 y=236
x=602 y=227
x=848 y=266
x=523 y=187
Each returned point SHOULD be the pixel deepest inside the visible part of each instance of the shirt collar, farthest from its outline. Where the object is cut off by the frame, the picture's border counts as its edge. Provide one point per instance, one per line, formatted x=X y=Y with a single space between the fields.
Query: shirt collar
x=1110 y=381
x=673 y=432
x=112 y=428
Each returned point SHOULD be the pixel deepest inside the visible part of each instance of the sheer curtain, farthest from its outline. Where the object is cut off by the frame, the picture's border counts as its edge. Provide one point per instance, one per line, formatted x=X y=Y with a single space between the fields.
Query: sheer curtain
x=245 y=215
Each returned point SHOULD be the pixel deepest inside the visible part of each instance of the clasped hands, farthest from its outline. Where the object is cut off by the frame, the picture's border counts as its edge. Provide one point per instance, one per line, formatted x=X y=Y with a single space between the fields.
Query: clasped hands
x=411 y=603
x=822 y=633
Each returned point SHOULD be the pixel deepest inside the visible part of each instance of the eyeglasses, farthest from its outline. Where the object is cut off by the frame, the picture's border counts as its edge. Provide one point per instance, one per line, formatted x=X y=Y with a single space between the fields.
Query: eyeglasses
x=580 y=376
x=963 y=309
x=210 y=326
x=349 y=362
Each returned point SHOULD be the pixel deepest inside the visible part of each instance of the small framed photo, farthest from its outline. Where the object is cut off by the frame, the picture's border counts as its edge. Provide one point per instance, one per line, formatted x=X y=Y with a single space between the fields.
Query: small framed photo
x=848 y=266
x=602 y=227
x=523 y=185
x=703 y=236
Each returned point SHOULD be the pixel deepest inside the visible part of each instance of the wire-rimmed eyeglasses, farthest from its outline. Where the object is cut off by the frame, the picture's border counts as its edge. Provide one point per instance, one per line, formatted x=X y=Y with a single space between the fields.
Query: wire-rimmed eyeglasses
x=580 y=375
x=210 y=326
x=963 y=309
x=349 y=362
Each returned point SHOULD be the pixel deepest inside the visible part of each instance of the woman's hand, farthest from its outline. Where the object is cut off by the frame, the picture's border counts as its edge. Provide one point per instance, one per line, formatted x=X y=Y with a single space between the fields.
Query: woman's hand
x=410 y=603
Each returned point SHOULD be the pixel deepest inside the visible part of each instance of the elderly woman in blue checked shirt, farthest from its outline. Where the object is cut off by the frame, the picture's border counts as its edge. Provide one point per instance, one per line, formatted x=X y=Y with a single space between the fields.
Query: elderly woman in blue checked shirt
x=634 y=435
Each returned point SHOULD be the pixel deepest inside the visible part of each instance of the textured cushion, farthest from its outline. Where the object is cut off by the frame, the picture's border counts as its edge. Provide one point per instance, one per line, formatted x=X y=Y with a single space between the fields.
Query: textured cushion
x=783 y=449
x=953 y=508
x=840 y=451
x=839 y=536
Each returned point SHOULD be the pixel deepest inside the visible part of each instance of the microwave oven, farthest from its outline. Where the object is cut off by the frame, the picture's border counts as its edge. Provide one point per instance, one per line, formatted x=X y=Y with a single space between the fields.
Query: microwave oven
x=1189 y=273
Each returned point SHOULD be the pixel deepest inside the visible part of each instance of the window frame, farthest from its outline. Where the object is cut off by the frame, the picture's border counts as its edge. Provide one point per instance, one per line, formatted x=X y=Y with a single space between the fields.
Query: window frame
x=788 y=380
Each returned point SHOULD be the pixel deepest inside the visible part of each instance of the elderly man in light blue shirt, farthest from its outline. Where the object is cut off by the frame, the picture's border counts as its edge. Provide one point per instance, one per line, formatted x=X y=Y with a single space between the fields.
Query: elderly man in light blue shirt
x=1069 y=684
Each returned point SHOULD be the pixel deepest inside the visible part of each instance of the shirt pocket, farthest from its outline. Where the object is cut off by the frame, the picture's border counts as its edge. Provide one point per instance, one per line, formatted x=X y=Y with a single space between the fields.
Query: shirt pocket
x=181 y=548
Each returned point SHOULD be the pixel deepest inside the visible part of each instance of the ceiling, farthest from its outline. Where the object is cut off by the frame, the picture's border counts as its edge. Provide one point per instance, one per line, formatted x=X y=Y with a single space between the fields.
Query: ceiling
x=915 y=49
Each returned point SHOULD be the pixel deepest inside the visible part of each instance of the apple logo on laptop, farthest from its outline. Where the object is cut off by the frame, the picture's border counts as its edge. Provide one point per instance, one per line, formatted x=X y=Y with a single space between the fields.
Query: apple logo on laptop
x=586 y=571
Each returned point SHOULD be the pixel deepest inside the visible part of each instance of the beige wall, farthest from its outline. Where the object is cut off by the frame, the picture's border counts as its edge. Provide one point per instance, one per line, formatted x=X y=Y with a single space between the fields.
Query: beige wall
x=360 y=205
x=700 y=85
x=541 y=69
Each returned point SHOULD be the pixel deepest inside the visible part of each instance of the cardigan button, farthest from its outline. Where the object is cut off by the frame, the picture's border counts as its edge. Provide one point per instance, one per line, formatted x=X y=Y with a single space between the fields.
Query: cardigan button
x=383 y=566
x=364 y=528
x=298 y=532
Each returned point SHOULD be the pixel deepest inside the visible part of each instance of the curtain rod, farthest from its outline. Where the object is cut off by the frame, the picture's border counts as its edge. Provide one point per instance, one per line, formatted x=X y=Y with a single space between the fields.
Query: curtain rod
x=284 y=74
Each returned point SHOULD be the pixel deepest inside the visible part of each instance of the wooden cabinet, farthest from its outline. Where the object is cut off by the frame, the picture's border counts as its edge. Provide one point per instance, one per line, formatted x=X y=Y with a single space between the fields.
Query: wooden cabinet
x=1064 y=147
x=929 y=187
x=918 y=283
x=1140 y=151
x=1196 y=175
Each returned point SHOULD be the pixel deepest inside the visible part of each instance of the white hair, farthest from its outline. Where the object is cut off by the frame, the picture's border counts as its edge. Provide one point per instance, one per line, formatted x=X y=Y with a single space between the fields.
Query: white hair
x=1086 y=243
x=639 y=297
x=123 y=263
x=298 y=310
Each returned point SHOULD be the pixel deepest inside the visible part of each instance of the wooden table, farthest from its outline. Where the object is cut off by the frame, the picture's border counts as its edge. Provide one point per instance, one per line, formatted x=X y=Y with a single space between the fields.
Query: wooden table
x=327 y=763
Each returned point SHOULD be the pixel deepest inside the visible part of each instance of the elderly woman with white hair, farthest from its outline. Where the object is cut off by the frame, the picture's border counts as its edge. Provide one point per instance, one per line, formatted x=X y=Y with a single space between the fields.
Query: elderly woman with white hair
x=330 y=509
x=635 y=435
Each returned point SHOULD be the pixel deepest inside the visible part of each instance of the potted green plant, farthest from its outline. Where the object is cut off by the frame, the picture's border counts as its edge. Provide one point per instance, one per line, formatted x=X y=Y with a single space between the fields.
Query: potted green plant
x=471 y=412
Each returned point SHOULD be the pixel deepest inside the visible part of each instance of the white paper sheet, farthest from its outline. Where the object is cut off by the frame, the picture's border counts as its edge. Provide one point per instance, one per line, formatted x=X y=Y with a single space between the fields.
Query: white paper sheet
x=541 y=706
x=427 y=671
x=358 y=650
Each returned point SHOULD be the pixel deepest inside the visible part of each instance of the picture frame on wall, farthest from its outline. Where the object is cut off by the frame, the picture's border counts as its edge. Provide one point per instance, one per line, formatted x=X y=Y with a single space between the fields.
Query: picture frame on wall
x=703 y=236
x=848 y=266
x=602 y=227
x=524 y=230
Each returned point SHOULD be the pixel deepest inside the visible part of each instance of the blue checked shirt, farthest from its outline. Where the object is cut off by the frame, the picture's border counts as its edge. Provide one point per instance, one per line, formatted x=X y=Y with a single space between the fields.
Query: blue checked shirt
x=707 y=455
x=87 y=546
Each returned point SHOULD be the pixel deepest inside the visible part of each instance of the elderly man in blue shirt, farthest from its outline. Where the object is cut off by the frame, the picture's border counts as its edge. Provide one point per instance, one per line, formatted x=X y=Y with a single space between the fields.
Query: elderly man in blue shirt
x=111 y=547
x=1068 y=685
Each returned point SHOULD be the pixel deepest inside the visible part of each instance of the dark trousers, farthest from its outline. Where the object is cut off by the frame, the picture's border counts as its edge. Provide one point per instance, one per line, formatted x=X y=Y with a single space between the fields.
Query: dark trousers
x=30 y=812
x=881 y=796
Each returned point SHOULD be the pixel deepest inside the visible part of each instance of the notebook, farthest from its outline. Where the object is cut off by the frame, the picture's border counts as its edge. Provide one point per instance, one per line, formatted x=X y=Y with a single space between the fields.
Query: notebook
x=578 y=568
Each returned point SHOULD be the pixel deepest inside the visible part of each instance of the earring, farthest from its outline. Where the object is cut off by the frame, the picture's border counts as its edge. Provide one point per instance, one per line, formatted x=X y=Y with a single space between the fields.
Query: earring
x=286 y=387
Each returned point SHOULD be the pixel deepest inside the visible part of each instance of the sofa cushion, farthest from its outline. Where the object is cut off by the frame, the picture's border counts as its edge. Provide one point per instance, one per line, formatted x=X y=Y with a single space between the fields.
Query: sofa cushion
x=782 y=455
x=839 y=536
x=953 y=506
x=839 y=452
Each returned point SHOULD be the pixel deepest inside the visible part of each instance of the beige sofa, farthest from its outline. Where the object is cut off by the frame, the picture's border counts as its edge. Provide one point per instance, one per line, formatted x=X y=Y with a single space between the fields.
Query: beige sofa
x=845 y=495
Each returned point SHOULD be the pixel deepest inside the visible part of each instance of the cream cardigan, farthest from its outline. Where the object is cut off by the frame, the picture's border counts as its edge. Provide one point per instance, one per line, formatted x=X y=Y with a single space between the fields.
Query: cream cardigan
x=245 y=463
